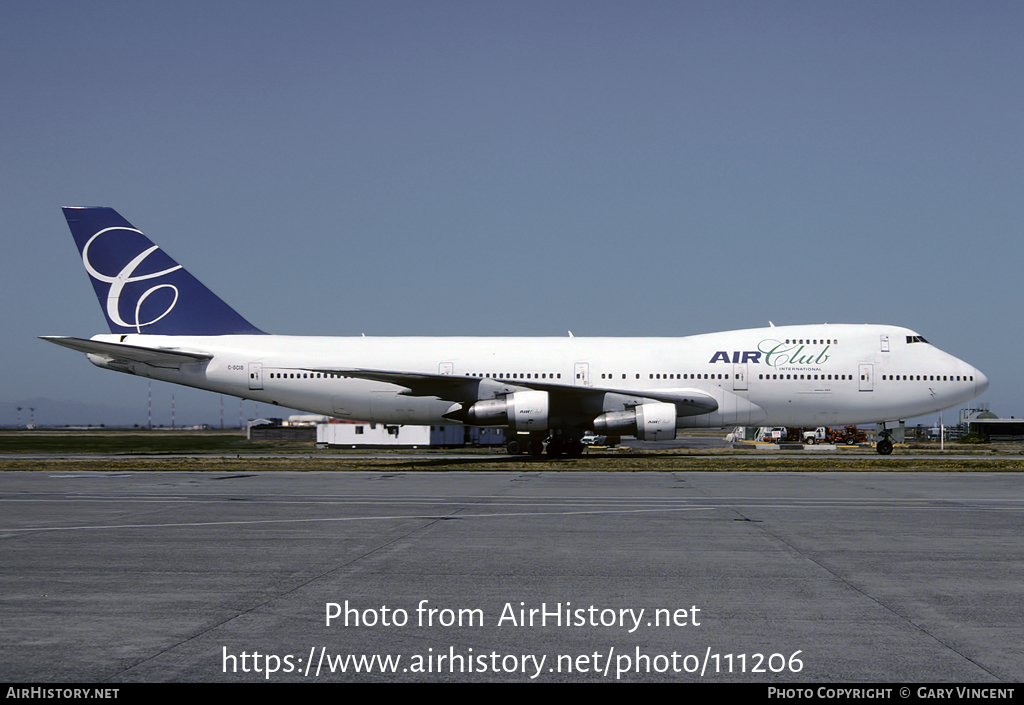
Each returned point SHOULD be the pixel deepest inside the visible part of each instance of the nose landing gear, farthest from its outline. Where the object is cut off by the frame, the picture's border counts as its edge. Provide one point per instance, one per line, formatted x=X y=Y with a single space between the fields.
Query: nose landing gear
x=884 y=444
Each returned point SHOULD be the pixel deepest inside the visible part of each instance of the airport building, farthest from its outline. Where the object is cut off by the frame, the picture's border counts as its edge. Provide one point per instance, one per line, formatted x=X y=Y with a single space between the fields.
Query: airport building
x=338 y=433
x=329 y=432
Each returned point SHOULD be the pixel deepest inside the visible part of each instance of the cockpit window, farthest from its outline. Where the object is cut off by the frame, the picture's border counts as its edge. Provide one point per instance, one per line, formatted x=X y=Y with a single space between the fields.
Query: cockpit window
x=916 y=339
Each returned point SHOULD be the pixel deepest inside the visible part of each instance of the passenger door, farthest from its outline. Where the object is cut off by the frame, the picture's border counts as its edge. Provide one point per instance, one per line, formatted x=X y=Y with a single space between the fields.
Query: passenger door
x=867 y=382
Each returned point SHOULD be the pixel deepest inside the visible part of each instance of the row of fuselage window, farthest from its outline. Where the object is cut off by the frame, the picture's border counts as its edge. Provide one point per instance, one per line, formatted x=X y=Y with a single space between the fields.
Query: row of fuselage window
x=527 y=375
x=333 y=375
x=927 y=378
x=305 y=375
x=905 y=378
x=508 y=375
x=670 y=376
x=888 y=378
x=798 y=377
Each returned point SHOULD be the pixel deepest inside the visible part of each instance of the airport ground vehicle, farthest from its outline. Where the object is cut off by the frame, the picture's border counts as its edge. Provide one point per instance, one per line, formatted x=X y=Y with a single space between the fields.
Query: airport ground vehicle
x=849 y=435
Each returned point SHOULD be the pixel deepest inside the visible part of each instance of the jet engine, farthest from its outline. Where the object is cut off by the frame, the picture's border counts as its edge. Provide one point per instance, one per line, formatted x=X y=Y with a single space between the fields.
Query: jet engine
x=654 y=421
x=520 y=411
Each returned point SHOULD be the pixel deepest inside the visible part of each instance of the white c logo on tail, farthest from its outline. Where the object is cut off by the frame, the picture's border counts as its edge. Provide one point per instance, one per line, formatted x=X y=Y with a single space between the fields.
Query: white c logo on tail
x=123 y=277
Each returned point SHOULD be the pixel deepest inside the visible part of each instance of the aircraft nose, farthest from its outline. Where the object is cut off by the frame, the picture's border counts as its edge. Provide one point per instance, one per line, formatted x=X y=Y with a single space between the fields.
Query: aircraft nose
x=980 y=382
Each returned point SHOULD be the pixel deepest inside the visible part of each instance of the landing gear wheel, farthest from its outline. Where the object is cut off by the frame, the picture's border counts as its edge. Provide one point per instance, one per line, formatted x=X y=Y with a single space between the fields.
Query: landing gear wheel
x=555 y=447
x=884 y=447
x=536 y=448
x=574 y=448
x=514 y=447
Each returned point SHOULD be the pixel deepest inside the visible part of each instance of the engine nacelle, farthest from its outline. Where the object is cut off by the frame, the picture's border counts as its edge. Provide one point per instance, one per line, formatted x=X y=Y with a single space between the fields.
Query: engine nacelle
x=654 y=421
x=520 y=411
x=492 y=412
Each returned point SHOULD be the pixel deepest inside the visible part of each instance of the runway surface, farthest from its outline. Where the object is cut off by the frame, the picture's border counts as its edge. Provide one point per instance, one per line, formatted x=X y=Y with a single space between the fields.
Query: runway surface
x=765 y=577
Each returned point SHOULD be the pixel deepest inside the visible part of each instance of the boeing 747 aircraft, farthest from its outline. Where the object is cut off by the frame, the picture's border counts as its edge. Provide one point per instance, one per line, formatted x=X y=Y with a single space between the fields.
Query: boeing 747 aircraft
x=166 y=325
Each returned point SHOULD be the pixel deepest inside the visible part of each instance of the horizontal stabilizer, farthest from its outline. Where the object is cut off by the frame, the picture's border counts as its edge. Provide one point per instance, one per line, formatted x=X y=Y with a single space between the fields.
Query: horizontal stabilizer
x=156 y=357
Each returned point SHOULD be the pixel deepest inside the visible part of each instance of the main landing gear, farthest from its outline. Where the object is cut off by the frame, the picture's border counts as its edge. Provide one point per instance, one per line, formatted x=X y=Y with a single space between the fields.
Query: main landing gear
x=562 y=443
x=557 y=443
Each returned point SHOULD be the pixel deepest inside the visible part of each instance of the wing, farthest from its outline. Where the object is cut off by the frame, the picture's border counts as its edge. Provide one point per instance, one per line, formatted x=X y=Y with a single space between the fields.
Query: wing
x=466 y=390
x=119 y=352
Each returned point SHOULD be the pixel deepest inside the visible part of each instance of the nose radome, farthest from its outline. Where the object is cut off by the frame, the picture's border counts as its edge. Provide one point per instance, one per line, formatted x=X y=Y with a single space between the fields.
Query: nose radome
x=980 y=381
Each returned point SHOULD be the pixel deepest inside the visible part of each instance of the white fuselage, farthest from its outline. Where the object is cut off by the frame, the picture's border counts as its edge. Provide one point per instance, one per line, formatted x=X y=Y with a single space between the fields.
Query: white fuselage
x=812 y=375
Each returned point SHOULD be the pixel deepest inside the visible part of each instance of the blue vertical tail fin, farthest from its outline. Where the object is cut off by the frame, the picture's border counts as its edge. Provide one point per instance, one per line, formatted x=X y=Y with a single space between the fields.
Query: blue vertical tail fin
x=140 y=288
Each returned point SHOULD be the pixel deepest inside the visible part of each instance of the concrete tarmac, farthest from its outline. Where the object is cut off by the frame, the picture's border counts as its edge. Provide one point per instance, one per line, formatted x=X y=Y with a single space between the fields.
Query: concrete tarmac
x=674 y=576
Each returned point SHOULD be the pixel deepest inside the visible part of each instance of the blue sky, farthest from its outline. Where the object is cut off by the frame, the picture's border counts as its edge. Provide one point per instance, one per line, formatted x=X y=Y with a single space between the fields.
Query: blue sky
x=449 y=168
